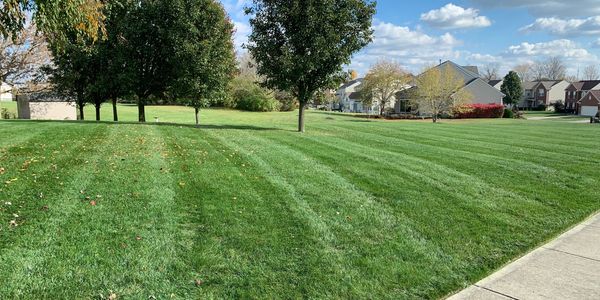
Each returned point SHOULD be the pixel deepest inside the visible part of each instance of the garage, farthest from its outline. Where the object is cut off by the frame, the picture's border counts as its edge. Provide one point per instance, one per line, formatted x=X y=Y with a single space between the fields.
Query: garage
x=589 y=111
x=589 y=104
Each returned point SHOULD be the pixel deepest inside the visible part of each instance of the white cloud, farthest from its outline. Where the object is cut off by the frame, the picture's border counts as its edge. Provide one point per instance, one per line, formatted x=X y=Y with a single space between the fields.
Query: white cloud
x=547 y=8
x=573 y=55
x=454 y=17
x=564 y=27
x=563 y=47
x=242 y=30
x=411 y=48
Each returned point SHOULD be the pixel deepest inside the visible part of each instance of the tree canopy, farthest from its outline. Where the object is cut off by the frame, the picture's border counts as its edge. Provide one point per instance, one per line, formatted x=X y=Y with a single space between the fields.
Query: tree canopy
x=381 y=84
x=54 y=18
x=512 y=89
x=300 y=46
x=439 y=91
x=204 y=51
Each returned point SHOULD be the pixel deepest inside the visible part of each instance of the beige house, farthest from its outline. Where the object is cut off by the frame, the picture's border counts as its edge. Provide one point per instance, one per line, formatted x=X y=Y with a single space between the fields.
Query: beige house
x=6 y=94
x=543 y=92
x=44 y=106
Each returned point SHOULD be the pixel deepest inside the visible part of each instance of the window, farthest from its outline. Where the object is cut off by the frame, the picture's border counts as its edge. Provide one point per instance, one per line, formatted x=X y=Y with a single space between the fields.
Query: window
x=541 y=92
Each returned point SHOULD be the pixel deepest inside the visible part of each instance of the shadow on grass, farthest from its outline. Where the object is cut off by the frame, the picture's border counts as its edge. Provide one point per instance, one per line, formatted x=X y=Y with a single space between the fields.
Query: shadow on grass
x=201 y=126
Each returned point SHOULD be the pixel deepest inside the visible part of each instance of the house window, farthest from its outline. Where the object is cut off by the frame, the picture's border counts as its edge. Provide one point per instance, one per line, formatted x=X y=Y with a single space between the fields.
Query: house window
x=541 y=92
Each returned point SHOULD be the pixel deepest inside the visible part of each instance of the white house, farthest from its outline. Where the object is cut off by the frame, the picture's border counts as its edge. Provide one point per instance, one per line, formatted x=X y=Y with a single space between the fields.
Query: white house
x=348 y=98
x=6 y=92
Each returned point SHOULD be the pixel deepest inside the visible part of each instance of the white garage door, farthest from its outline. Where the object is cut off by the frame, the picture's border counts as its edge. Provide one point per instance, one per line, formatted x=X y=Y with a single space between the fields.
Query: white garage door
x=589 y=110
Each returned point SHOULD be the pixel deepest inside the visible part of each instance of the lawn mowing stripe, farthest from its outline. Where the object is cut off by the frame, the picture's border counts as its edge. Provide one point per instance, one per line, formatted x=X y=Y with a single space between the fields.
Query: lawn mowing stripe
x=563 y=181
x=482 y=140
x=92 y=258
x=40 y=170
x=24 y=257
x=262 y=204
x=468 y=146
x=384 y=168
x=377 y=235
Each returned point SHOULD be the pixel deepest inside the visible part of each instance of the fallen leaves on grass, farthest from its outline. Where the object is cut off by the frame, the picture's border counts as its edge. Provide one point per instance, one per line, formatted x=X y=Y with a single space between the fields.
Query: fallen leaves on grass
x=181 y=184
x=198 y=282
x=13 y=223
x=2 y=170
x=93 y=203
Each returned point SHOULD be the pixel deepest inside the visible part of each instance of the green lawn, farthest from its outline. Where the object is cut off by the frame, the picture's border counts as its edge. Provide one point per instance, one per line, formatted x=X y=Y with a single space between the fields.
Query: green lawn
x=252 y=209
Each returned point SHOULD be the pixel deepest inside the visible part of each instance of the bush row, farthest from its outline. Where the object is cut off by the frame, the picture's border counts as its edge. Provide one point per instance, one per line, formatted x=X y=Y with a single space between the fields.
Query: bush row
x=473 y=111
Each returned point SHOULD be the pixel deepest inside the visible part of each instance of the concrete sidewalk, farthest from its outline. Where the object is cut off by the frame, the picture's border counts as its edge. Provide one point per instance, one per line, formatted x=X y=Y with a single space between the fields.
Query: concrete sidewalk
x=566 y=268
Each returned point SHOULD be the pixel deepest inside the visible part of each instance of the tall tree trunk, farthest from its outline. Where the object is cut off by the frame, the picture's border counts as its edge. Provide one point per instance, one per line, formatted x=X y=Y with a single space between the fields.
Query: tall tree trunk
x=114 y=107
x=196 y=110
x=301 y=117
x=141 y=111
x=81 y=116
x=97 y=106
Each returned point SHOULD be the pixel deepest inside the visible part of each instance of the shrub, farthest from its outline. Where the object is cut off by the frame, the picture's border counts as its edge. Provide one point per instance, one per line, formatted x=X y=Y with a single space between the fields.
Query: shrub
x=472 y=111
x=288 y=102
x=508 y=114
x=248 y=95
x=255 y=99
x=559 y=107
x=541 y=107
x=5 y=114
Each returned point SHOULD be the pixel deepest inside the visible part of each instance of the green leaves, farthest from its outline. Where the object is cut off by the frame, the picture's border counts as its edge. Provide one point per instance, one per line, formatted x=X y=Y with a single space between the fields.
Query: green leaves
x=511 y=87
x=301 y=46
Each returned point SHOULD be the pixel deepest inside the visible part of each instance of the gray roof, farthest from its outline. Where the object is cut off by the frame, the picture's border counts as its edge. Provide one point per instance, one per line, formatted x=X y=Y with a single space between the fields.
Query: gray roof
x=495 y=82
x=473 y=69
x=466 y=74
x=354 y=96
x=528 y=85
x=350 y=83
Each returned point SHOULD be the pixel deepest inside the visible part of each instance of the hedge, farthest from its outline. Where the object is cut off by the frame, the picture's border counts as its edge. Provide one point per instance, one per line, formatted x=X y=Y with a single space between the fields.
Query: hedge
x=473 y=111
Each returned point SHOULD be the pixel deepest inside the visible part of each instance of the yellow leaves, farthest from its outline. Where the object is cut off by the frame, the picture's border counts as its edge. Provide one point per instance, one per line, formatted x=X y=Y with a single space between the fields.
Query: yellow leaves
x=11 y=181
x=182 y=184
x=2 y=170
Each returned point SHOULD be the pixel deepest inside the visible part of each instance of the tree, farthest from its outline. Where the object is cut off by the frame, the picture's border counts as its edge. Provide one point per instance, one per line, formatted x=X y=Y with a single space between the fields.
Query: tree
x=552 y=68
x=149 y=50
x=538 y=71
x=512 y=88
x=440 y=91
x=71 y=70
x=204 y=51
x=301 y=45
x=54 y=18
x=491 y=71
x=591 y=73
x=524 y=71
x=555 y=68
x=382 y=83
x=23 y=56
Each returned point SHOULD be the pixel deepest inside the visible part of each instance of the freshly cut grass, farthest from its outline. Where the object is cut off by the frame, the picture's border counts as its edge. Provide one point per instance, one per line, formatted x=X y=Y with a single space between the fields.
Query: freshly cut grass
x=244 y=207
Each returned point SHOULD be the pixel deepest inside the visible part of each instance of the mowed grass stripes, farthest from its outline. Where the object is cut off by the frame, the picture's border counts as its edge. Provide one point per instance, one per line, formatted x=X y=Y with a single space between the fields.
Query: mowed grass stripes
x=244 y=207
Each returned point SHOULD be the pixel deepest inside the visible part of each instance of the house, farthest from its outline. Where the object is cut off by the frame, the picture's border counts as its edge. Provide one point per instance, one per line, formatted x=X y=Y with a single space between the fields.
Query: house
x=45 y=106
x=6 y=94
x=576 y=91
x=347 y=96
x=528 y=95
x=542 y=92
x=589 y=104
x=349 y=99
x=480 y=90
x=497 y=83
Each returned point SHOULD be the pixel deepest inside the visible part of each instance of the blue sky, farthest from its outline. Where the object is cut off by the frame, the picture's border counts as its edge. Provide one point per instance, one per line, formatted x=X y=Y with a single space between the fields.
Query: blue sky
x=478 y=32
